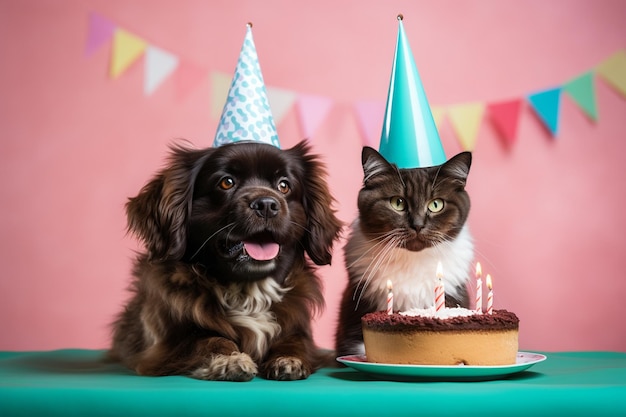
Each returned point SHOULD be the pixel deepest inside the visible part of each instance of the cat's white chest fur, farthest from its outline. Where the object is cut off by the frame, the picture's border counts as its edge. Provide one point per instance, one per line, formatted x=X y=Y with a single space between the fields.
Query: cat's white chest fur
x=412 y=274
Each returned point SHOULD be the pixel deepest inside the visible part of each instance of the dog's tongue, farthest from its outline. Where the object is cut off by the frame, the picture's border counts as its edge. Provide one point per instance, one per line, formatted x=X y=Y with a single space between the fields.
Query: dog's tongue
x=261 y=251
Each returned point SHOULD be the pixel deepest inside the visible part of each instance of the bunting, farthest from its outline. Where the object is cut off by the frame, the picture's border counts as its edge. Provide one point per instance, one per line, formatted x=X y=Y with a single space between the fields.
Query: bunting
x=99 y=31
x=505 y=117
x=582 y=91
x=370 y=119
x=220 y=83
x=127 y=48
x=546 y=105
x=466 y=119
x=160 y=65
x=312 y=110
x=188 y=76
x=613 y=71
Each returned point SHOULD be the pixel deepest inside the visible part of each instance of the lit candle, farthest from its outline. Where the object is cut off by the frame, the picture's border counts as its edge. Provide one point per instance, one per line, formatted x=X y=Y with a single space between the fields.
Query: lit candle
x=389 y=297
x=440 y=293
x=490 y=295
x=479 y=288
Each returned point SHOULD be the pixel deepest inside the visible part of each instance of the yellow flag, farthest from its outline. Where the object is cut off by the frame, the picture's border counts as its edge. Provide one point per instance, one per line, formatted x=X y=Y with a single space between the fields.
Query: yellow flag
x=438 y=115
x=613 y=70
x=127 y=48
x=281 y=100
x=465 y=119
x=220 y=83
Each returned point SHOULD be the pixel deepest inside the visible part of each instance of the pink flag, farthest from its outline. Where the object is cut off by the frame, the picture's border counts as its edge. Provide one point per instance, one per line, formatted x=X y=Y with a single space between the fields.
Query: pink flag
x=100 y=30
x=505 y=117
x=370 y=116
x=312 y=110
x=187 y=76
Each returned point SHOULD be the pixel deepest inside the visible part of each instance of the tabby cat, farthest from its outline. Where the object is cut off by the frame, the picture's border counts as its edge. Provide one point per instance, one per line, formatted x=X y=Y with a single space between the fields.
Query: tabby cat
x=409 y=220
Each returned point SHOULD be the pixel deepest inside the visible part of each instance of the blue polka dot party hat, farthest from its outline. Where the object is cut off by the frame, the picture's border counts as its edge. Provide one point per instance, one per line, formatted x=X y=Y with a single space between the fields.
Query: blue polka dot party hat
x=247 y=115
x=410 y=138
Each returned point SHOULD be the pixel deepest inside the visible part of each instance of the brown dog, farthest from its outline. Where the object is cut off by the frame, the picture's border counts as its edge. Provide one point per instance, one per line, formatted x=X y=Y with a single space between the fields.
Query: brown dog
x=224 y=290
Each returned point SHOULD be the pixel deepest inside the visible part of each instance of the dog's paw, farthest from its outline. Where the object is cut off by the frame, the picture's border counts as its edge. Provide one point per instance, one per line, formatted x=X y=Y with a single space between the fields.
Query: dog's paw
x=287 y=368
x=234 y=367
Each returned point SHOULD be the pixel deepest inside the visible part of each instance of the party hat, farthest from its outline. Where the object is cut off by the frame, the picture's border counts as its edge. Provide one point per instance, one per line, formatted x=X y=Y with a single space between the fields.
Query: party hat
x=410 y=138
x=247 y=114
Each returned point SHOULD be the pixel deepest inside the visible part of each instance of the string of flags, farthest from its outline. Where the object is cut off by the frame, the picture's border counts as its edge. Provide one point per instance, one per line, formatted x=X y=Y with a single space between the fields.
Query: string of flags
x=160 y=65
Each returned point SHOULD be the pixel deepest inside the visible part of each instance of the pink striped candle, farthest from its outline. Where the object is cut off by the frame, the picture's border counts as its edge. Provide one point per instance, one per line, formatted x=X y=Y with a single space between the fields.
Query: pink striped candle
x=440 y=293
x=479 y=288
x=389 y=297
x=489 y=295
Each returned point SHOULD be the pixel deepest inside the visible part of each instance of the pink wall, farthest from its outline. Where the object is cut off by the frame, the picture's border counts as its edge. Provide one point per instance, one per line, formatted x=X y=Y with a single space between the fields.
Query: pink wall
x=548 y=214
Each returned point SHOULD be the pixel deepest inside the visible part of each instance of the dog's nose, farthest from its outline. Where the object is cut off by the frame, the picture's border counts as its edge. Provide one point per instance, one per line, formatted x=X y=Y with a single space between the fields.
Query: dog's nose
x=266 y=207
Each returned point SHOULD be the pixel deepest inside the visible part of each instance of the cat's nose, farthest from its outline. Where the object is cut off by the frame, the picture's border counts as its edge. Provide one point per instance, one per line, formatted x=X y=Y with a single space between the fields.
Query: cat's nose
x=417 y=224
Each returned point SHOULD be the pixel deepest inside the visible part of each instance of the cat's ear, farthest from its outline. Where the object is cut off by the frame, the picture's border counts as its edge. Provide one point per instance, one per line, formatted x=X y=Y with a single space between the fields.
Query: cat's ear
x=373 y=163
x=458 y=166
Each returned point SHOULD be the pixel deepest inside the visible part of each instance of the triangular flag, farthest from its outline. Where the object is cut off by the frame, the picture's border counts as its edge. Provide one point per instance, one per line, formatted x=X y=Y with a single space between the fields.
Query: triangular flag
x=505 y=117
x=100 y=30
x=465 y=119
x=187 y=76
x=370 y=119
x=613 y=70
x=159 y=65
x=581 y=90
x=220 y=83
x=546 y=105
x=127 y=48
x=281 y=101
x=312 y=110
x=439 y=114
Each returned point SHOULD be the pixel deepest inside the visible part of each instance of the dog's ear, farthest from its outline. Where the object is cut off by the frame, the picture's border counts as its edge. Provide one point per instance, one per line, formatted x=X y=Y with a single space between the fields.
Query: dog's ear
x=323 y=227
x=158 y=214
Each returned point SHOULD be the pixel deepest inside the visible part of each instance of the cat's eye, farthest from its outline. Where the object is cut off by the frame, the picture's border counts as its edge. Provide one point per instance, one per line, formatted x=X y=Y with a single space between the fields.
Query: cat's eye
x=227 y=183
x=435 y=206
x=398 y=203
x=284 y=187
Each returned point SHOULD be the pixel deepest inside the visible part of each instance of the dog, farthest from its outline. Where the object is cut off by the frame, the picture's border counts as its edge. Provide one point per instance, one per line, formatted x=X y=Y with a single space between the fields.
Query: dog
x=227 y=287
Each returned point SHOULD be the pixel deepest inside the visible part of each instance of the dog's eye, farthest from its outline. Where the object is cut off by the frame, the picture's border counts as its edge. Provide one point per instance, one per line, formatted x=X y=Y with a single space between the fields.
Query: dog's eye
x=227 y=183
x=283 y=187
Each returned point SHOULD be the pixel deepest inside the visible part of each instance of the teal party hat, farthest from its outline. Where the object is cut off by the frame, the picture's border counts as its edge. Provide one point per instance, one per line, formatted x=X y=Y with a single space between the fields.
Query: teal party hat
x=247 y=114
x=410 y=138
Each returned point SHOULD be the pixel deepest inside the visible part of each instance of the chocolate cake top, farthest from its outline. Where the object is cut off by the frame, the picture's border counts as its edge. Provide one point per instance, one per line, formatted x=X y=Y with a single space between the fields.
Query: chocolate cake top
x=381 y=321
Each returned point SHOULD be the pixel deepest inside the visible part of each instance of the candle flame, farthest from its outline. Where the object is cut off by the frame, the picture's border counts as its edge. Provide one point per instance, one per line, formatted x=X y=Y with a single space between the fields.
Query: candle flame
x=439 y=270
x=389 y=285
x=488 y=279
x=479 y=270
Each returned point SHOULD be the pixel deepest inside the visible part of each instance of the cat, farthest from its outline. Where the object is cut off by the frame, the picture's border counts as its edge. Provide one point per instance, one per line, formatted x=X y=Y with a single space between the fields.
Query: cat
x=408 y=221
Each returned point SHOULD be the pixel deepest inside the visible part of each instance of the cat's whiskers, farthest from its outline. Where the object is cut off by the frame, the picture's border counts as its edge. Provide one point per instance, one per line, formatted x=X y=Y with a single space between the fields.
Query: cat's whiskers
x=384 y=240
x=380 y=261
x=366 y=246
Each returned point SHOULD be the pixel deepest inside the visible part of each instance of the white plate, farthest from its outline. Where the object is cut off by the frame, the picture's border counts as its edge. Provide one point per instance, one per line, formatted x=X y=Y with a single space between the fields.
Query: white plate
x=452 y=372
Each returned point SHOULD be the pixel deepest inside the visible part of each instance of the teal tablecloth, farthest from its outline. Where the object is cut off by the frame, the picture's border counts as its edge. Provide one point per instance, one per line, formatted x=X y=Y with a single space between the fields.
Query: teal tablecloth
x=77 y=383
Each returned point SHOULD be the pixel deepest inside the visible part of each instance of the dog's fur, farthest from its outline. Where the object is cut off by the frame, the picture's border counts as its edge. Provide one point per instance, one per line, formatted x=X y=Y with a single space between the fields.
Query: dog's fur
x=202 y=305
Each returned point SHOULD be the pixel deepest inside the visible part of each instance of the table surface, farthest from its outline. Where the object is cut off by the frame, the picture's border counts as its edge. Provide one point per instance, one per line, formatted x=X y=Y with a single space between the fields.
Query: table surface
x=78 y=382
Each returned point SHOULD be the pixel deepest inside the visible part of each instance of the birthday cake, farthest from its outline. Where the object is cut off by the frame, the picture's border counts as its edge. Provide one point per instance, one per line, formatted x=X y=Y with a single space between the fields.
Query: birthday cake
x=452 y=336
